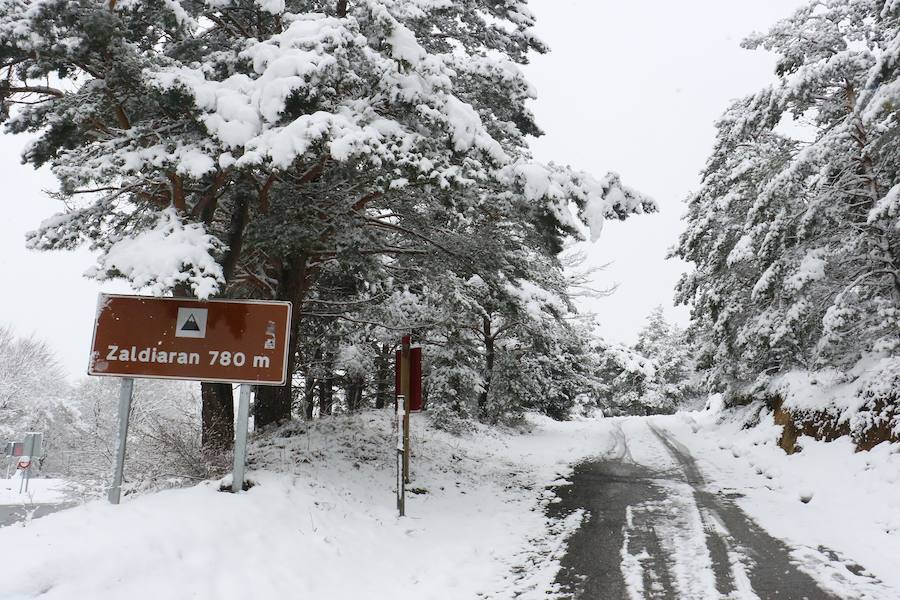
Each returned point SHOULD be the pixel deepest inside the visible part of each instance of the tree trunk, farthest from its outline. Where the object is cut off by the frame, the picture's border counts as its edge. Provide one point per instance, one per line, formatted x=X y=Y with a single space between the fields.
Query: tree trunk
x=273 y=404
x=216 y=404
x=236 y=227
x=488 y=365
x=383 y=377
x=326 y=395
x=354 y=394
x=309 y=395
x=217 y=416
x=217 y=410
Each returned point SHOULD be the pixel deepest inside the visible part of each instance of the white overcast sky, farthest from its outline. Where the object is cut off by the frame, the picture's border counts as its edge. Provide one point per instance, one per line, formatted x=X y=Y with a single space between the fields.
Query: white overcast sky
x=632 y=87
x=635 y=87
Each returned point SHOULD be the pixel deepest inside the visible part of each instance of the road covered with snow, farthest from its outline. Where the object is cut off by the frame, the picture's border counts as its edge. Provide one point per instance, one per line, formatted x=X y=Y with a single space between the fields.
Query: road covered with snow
x=658 y=529
x=687 y=506
x=43 y=497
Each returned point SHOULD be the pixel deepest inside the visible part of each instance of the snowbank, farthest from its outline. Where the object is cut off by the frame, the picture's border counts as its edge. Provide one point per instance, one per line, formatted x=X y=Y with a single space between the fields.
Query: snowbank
x=829 y=403
x=320 y=522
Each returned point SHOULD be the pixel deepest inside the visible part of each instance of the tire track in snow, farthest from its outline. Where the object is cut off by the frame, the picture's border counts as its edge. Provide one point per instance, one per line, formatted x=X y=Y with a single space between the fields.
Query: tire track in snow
x=652 y=531
x=751 y=553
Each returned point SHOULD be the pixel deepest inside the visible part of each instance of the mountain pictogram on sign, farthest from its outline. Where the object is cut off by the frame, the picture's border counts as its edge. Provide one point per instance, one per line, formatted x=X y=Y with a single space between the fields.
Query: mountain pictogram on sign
x=190 y=324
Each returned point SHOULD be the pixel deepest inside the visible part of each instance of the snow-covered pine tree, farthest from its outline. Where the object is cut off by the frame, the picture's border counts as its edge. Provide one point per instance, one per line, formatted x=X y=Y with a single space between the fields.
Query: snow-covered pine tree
x=672 y=353
x=793 y=230
x=625 y=379
x=490 y=302
x=509 y=315
x=201 y=145
x=720 y=288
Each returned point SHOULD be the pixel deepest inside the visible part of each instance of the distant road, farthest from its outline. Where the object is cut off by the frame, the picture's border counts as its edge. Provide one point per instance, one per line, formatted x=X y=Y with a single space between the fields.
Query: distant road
x=13 y=513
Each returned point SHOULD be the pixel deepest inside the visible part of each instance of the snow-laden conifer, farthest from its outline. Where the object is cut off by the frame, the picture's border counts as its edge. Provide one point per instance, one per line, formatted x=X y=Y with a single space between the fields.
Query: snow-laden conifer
x=793 y=229
x=284 y=139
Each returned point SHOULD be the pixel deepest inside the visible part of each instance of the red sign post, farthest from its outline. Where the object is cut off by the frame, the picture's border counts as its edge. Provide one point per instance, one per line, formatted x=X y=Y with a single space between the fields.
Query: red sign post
x=407 y=398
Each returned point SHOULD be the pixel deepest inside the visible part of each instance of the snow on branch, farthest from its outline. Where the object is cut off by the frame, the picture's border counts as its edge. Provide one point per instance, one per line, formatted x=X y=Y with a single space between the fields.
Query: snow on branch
x=249 y=114
x=534 y=300
x=887 y=207
x=596 y=200
x=162 y=257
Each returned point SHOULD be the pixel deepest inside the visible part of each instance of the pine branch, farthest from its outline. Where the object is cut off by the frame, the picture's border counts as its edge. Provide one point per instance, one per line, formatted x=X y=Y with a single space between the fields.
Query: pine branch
x=392 y=226
x=31 y=89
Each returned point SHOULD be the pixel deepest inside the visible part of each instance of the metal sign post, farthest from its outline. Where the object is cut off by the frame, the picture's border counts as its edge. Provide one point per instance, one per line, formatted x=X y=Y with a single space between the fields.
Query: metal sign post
x=401 y=455
x=24 y=465
x=125 y=395
x=32 y=448
x=25 y=453
x=240 y=438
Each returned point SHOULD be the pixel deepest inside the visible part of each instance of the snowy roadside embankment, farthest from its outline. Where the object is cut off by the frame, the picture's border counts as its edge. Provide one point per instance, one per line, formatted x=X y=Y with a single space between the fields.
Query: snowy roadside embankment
x=836 y=506
x=829 y=403
x=321 y=522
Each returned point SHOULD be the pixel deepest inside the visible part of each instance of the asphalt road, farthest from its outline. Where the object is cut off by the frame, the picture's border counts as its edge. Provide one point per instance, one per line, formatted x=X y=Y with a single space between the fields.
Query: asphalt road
x=661 y=535
x=14 y=513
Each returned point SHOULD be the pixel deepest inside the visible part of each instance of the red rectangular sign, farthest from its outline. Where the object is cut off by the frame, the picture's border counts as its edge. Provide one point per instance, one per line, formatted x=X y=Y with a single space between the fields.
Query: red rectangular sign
x=235 y=341
x=415 y=378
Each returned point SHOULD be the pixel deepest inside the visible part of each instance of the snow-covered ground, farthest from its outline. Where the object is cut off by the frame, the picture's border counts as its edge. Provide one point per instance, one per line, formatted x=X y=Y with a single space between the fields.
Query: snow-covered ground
x=835 y=507
x=321 y=522
x=40 y=491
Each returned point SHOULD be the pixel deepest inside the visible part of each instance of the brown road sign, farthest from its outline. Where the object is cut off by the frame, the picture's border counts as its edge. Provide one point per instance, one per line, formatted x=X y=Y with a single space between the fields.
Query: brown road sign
x=237 y=341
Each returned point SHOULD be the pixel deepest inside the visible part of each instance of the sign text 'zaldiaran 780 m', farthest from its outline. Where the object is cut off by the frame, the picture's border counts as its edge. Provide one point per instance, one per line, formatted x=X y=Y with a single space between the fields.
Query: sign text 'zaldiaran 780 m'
x=239 y=341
